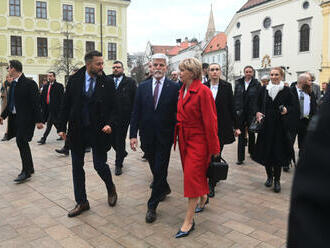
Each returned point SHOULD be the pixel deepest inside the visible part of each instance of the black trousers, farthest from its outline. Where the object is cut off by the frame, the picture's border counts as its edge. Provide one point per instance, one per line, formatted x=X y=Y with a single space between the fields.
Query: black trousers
x=158 y=157
x=78 y=173
x=119 y=142
x=50 y=122
x=242 y=143
x=25 y=153
x=273 y=171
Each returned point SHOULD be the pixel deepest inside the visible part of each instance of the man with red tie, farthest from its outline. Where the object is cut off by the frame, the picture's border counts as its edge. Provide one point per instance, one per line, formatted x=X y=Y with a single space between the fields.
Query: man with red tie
x=51 y=99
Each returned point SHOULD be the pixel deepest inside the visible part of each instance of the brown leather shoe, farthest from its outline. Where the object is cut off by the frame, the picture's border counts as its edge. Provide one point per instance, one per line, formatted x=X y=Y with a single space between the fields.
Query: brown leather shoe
x=79 y=208
x=112 y=196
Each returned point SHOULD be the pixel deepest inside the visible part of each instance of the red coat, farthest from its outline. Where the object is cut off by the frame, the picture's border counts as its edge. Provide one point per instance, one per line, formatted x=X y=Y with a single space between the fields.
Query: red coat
x=197 y=129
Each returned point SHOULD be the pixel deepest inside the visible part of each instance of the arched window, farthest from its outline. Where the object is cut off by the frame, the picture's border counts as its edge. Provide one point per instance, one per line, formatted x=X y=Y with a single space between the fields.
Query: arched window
x=278 y=42
x=255 y=53
x=304 y=38
x=237 y=50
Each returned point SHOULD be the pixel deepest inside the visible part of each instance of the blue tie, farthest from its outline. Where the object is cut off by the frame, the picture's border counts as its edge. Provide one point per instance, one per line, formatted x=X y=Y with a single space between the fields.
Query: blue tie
x=90 y=88
x=116 y=82
x=11 y=104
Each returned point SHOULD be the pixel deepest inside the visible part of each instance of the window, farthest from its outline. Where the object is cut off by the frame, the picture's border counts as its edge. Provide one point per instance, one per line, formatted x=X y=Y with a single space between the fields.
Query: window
x=255 y=53
x=68 y=48
x=237 y=50
x=304 y=38
x=306 y=5
x=42 y=47
x=67 y=12
x=16 y=45
x=112 y=51
x=90 y=46
x=267 y=22
x=89 y=15
x=41 y=10
x=238 y=24
x=112 y=17
x=278 y=42
x=14 y=7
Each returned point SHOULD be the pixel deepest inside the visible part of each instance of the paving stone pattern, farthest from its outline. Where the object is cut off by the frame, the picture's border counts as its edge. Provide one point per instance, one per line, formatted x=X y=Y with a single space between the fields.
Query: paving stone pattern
x=34 y=214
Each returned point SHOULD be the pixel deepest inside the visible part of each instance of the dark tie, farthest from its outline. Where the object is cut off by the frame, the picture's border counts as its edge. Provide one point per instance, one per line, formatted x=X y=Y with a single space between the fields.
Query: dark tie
x=156 y=93
x=12 y=97
x=90 y=88
x=116 y=82
x=301 y=102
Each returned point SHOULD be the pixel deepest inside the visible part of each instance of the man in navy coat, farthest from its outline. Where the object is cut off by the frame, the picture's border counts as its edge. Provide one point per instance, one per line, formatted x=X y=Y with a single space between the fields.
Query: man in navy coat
x=154 y=116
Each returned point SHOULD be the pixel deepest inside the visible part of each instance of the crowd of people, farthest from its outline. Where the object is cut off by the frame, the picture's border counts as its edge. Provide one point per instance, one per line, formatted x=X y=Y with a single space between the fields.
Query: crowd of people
x=196 y=108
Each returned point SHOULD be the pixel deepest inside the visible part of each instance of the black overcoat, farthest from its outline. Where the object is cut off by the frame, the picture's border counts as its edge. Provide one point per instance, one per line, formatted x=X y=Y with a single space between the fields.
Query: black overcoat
x=28 y=109
x=273 y=142
x=56 y=97
x=225 y=112
x=102 y=111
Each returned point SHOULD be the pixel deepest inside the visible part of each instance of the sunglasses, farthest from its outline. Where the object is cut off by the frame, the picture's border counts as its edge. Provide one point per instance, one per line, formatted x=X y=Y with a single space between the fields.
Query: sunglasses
x=215 y=69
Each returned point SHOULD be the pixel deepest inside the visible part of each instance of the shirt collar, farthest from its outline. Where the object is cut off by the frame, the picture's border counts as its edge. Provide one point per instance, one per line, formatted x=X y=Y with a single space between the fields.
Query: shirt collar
x=16 y=79
x=247 y=82
x=154 y=80
x=88 y=76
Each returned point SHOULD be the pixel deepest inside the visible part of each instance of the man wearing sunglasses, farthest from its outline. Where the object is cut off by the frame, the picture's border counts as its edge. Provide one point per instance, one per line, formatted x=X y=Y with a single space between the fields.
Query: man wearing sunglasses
x=125 y=94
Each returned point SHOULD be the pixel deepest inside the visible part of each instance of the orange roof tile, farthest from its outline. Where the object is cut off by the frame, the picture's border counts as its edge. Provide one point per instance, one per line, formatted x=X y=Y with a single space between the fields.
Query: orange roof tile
x=218 y=42
x=172 y=50
x=252 y=3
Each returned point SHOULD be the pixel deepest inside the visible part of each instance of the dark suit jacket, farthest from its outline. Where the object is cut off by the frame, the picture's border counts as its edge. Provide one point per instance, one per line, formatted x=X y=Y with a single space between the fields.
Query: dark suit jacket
x=102 y=110
x=310 y=198
x=125 y=95
x=56 y=97
x=225 y=111
x=294 y=115
x=155 y=124
x=245 y=101
x=28 y=110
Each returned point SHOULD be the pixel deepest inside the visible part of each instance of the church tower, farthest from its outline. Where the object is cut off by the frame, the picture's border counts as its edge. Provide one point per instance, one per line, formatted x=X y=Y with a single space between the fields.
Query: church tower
x=210 y=28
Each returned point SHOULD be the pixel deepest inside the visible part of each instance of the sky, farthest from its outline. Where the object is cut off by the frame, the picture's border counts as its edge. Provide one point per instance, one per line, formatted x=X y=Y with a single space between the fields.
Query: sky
x=163 y=21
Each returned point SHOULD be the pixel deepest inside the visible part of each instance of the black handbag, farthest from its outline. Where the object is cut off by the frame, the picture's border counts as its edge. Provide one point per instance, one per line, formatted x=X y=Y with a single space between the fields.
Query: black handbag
x=257 y=126
x=218 y=169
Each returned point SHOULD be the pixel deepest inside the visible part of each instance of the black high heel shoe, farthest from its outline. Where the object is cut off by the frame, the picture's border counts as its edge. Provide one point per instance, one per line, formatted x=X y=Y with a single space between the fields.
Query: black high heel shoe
x=181 y=234
x=201 y=209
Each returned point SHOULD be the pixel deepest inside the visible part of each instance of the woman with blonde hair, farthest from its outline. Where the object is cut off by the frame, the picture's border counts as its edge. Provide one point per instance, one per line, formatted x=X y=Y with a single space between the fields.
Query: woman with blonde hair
x=198 y=141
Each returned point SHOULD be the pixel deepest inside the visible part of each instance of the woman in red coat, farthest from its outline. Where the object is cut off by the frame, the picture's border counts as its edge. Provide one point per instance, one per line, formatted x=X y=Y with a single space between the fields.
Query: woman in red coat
x=198 y=137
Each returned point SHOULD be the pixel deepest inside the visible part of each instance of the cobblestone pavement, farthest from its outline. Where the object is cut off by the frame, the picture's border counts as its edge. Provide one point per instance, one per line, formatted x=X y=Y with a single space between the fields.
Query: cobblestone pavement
x=243 y=213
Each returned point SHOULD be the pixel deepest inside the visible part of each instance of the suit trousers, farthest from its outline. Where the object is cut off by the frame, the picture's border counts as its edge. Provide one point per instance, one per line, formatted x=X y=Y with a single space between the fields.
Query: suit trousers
x=119 y=142
x=78 y=173
x=158 y=156
x=25 y=153
x=242 y=143
x=50 y=122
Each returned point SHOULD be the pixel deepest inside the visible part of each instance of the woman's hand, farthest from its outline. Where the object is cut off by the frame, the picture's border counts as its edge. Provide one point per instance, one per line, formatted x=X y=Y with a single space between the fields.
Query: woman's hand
x=284 y=111
x=259 y=116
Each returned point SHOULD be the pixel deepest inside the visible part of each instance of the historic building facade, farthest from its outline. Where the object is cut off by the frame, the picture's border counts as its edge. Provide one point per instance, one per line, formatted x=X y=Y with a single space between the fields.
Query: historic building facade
x=272 y=33
x=46 y=34
x=325 y=67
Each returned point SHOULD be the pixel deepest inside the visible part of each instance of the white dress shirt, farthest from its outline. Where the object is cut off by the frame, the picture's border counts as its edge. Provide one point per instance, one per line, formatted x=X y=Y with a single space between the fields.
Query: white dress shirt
x=247 y=83
x=214 y=89
x=161 y=83
x=307 y=102
x=16 y=80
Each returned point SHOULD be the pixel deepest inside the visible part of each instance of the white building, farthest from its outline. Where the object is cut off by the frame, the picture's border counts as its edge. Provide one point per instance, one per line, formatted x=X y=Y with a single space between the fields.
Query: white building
x=269 y=33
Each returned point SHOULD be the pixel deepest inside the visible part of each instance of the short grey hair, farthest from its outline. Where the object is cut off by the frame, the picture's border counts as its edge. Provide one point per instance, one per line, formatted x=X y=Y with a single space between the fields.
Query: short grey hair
x=302 y=78
x=265 y=77
x=160 y=56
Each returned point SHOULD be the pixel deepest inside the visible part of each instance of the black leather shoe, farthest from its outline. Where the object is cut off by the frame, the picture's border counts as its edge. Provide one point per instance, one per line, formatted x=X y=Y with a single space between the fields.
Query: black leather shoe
x=60 y=138
x=118 y=171
x=269 y=182
x=239 y=162
x=151 y=215
x=78 y=209
x=62 y=151
x=212 y=193
x=181 y=234
x=277 y=186
x=5 y=137
x=22 y=177
x=286 y=168
x=41 y=141
x=112 y=197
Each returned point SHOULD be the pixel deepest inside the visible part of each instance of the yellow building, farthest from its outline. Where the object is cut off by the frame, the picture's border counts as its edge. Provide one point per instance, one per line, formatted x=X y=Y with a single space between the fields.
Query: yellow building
x=325 y=66
x=40 y=33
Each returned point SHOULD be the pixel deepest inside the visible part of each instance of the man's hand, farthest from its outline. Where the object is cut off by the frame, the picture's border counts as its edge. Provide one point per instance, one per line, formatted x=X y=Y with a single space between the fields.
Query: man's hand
x=285 y=111
x=40 y=125
x=259 y=116
x=1 y=120
x=134 y=143
x=107 y=129
x=237 y=132
x=62 y=135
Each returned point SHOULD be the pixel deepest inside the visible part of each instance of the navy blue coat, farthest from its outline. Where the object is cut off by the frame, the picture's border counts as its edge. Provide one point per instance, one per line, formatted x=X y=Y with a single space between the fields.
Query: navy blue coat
x=155 y=124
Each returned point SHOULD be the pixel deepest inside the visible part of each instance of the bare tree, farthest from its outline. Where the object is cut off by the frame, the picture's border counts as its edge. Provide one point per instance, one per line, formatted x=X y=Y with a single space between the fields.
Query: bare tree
x=138 y=72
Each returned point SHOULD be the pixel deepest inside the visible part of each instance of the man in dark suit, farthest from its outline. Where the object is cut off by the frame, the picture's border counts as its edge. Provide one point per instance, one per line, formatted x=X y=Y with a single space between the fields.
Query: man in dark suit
x=125 y=94
x=89 y=107
x=51 y=100
x=154 y=117
x=24 y=112
x=245 y=95
x=227 y=122
x=310 y=198
x=304 y=107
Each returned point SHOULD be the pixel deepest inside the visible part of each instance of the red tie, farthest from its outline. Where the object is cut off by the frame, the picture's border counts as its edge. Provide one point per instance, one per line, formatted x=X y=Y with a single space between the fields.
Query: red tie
x=48 y=93
x=156 y=93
